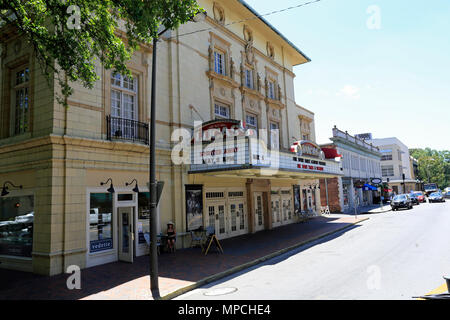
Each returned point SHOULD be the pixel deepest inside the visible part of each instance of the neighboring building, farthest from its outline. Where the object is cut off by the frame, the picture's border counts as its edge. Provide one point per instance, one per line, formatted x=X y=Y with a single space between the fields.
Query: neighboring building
x=396 y=162
x=237 y=74
x=360 y=165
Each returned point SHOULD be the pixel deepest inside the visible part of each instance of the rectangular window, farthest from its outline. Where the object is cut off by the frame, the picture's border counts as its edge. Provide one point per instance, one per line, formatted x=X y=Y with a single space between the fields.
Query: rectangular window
x=274 y=135
x=219 y=63
x=100 y=222
x=386 y=157
x=387 y=171
x=16 y=226
x=221 y=111
x=124 y=97
x=21 y=102
x=124 y=106
x=251 y=121
x=272 y=90
x=249 y=78
x=143 y=215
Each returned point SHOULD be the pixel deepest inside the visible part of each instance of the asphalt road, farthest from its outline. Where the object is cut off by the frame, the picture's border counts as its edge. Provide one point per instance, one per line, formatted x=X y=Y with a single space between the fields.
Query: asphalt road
x=393 y=255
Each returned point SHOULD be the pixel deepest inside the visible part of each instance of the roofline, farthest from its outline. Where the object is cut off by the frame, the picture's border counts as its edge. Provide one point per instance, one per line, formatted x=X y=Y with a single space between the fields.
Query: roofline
x=245 y=4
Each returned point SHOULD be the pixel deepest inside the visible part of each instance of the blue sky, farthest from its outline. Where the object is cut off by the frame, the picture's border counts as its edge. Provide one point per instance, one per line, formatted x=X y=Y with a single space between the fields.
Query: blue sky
x=393 y=81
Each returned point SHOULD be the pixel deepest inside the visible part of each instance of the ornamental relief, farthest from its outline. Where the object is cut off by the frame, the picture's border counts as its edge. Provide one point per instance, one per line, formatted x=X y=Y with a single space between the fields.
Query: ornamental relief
x=219 y=14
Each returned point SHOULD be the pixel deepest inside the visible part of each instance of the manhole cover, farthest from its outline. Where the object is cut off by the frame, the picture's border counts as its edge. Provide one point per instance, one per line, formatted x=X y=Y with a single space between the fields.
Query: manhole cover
x=220 y=292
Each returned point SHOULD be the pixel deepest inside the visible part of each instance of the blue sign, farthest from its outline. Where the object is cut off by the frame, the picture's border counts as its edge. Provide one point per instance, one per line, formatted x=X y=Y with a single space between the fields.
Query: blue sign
x=101 y=245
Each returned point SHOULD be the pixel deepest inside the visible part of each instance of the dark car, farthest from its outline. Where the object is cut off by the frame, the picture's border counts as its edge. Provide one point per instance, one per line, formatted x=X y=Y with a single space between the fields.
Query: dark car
x=401 y=201
x=436 y=197
x=414 y=198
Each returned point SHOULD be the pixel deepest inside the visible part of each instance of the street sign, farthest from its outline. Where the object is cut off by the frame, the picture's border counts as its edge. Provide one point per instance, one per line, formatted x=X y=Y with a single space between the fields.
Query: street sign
x=159 y=188
x=376 y=180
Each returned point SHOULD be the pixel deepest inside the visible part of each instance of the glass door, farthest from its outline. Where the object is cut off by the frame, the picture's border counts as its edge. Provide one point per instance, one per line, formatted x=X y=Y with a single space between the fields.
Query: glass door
x=276 y=210
x=237 y=218
x=259 y=211
x=126 y=234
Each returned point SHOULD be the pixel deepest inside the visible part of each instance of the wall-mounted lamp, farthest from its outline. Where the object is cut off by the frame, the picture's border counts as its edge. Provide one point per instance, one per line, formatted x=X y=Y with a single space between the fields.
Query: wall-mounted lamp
x=313 y=186
x=5 y=188
x=111 y=188
x=136 y=188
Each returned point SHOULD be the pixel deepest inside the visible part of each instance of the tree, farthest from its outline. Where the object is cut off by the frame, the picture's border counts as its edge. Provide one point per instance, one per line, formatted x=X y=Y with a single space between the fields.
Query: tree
x=70 y=36
x=434 y=166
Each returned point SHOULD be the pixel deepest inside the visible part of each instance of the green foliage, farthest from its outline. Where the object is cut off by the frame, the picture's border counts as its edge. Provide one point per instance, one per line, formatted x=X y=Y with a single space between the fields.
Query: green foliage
x=70 y=36
x=434 y=166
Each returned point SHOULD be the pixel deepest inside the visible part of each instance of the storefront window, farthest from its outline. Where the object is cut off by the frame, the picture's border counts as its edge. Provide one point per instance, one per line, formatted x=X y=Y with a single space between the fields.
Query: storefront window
x=100 y=222
x=143 y=215
x=16 y=226
x=345 y=192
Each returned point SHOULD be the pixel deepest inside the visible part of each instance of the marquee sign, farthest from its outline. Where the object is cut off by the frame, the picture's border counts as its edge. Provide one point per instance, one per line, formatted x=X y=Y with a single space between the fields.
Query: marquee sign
x=225 y=127
x=307 y=148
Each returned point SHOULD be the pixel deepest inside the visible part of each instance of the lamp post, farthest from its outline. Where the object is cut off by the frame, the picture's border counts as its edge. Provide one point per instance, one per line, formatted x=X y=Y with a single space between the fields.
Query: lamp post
x=154 y=286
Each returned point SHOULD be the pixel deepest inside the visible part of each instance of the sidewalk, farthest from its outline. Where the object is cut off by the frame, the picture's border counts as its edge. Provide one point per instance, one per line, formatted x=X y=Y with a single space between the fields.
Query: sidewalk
x=179 y=272
x=374 y=209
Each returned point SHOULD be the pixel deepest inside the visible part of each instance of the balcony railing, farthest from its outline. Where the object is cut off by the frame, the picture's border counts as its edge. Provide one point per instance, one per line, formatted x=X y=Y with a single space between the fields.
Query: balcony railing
x=341 y=134
x=127 y=130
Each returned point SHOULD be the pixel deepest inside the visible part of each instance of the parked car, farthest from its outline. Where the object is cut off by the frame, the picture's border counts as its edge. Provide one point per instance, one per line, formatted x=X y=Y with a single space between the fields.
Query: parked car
x=414 y=198
x=420 y=195
x=447 y=192
x=436 y=197
x=401 y=201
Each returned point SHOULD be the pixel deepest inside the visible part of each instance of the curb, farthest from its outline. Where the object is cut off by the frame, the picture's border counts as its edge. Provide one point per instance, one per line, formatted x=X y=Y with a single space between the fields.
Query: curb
x=241 y=267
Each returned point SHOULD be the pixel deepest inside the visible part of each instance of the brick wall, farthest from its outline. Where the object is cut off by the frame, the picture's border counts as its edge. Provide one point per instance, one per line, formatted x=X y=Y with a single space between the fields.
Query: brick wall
x=333 y=194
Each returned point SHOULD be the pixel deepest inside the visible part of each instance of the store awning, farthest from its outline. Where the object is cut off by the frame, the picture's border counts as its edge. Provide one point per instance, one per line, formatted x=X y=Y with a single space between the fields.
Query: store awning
x=331 y=153
x=368 y=187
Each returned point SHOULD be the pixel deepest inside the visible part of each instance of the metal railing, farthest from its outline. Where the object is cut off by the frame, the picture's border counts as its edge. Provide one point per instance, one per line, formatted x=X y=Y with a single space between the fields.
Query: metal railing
x=341 y=134
x=127 y=130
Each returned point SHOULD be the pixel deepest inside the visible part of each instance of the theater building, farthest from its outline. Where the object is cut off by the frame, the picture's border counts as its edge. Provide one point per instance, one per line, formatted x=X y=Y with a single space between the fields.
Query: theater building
x=75 y=179
x=361 y=164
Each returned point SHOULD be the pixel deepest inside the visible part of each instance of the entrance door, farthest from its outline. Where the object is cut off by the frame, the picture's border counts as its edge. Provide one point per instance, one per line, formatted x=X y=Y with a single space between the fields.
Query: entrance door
x=259 y=211
x=237 y=219
x=276 y=210
x=126 y=234
x=216 y=218
x=287 y=210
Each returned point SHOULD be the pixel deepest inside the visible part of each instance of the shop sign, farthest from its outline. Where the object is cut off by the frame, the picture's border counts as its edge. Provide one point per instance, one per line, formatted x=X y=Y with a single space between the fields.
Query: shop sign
x=101 y=245
x=307 y=148
x=375 y=180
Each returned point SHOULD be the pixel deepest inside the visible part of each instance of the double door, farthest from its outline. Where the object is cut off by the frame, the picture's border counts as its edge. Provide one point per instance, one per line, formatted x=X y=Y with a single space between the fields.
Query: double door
x=228 y=218
x=282 y=208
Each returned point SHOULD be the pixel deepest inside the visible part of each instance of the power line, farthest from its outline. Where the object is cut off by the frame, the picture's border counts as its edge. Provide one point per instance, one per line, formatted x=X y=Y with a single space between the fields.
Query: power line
x=253 y=18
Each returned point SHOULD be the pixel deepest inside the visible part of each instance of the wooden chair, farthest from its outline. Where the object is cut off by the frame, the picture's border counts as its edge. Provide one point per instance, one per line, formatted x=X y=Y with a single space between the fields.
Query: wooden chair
x=196 y=240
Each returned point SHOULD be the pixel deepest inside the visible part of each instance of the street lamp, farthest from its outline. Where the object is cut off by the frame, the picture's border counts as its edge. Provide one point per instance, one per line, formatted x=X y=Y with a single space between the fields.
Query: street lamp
x=154 y=286
x=5 y=191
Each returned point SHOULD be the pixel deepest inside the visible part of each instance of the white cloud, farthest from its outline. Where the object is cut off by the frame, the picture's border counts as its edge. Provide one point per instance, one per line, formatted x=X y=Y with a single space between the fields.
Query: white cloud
x=350 y=92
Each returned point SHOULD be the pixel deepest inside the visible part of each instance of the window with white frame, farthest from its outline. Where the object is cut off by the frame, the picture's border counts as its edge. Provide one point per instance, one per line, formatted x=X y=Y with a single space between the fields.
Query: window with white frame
x=387 y=171
x=274 y=135
x=124 y=102
x=219 y=62
x=124 y=106
x=251 y=121
x=221 y=111
x=21 y=101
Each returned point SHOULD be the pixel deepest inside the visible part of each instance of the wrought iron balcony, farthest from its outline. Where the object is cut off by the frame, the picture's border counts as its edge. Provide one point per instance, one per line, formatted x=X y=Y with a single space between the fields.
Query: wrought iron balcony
x=127 y=130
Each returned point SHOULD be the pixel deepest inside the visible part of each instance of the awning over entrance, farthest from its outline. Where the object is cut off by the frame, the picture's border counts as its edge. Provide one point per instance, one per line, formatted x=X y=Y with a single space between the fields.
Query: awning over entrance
x=368 y=187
